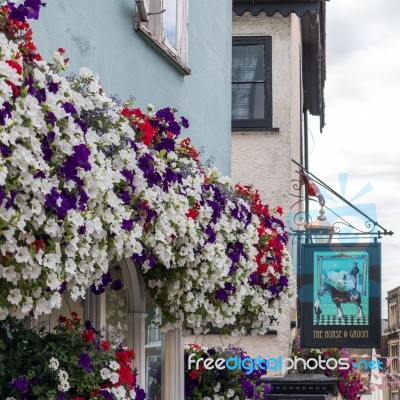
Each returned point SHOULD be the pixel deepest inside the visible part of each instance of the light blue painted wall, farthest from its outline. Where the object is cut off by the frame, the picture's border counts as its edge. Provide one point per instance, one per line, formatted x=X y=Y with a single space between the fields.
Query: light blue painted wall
x=100 y=35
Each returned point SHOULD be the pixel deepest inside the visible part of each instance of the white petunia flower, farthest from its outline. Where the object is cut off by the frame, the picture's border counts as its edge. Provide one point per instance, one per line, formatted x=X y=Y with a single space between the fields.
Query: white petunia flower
x=54 y=363
x=114 y=365
x=114 y=377
x=15 y=296
x=64 y=386
x=105 y=373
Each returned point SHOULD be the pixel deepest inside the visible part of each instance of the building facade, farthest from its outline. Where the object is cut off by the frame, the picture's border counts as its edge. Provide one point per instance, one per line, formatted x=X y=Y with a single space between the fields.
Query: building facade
x=393 y=341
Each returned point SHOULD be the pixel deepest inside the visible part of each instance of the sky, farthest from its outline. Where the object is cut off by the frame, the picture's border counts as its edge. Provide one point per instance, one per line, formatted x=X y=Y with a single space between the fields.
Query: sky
x=362 y=118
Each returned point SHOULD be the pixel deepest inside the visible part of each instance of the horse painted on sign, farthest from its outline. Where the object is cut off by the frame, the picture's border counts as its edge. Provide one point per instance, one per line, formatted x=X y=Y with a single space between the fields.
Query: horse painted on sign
x=342 y=288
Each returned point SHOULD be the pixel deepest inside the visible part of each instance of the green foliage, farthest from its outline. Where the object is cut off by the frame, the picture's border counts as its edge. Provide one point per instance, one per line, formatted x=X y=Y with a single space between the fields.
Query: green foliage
x=74 y=362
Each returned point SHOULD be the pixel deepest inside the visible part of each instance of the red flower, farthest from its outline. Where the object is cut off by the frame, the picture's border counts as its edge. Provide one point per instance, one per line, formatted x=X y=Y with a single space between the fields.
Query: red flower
x=194 y=374
x=14 y=88
x=131 y=354
x=148 y=132
x=136 y=112
x=88 y=336
x=68 y=324
x=126 y=112
x=126 y=375
x=123 y=356
x=61 y=50
x=105 y=345
x=62 y=319
x=279 y=210
x=39 y=244
x=192 y=213
x=195 y=346
x=74 y=316
x=15 y=65
x=262 y=268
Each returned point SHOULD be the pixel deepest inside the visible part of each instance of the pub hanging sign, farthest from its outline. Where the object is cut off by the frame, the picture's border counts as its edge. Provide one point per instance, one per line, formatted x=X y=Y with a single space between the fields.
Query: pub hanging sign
x=340 y=295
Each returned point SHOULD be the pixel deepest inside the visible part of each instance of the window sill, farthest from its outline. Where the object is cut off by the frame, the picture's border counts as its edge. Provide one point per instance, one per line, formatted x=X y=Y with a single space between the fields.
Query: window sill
x=164 y=50
x=258 y=130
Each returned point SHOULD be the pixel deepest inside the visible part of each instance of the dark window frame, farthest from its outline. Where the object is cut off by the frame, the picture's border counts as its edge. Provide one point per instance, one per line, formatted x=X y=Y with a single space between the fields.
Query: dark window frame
x=240 y=125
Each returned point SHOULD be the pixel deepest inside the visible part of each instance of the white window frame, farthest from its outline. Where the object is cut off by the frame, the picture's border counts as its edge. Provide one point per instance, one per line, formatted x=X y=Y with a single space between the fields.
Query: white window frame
x=149 y=22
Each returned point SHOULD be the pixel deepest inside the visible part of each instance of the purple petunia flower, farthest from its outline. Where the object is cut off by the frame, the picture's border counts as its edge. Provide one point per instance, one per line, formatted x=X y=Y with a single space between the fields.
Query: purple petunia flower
x=11 y=199
x=283 y=281
x=85 y=362
x=51 y=119
x=235 y=257
x=40 y=95
x=166 y=144
x=165 y=114
x=2 y=195
x=69 y=108
x=18 y=13
x=232 y=269
x=82 y=124
x=4 y=150
x=35 y=380
x=267 y=389
x=211 y=234
x=83 y=199
x=174 y=127
x=63 y=287
x=106 y=278
x=21 y=384
x=106 y=394
x=128 y=175
x=152 y=260
x=99 y=289
x=185 y=122
x=221 y=294
x=51 y=198
x=254 y=279
x=230 y=287
x=53 y=87
x=5 y=113
x=60 y=396
x=90 y=326
x=247 y=387
x=117 y=285
x=140 y=394
x=127 y=224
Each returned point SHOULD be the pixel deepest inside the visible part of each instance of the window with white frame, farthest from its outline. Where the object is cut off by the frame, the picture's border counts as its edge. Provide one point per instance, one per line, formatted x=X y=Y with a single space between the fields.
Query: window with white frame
x=165 y=23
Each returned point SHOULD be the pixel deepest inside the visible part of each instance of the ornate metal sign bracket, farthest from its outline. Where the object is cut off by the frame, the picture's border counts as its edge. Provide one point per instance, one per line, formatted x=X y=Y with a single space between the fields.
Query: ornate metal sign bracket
x=301 y=225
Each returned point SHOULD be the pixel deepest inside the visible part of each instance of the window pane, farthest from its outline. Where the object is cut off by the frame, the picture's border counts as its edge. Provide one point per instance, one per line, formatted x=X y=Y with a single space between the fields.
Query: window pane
x=154 y=350
x=248 y=101
x=170 y=21
x=116 y=309
x=248 y=63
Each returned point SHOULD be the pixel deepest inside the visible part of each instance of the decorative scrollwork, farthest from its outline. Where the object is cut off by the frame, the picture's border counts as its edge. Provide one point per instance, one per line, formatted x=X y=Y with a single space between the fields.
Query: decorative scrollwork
x=301 y=217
